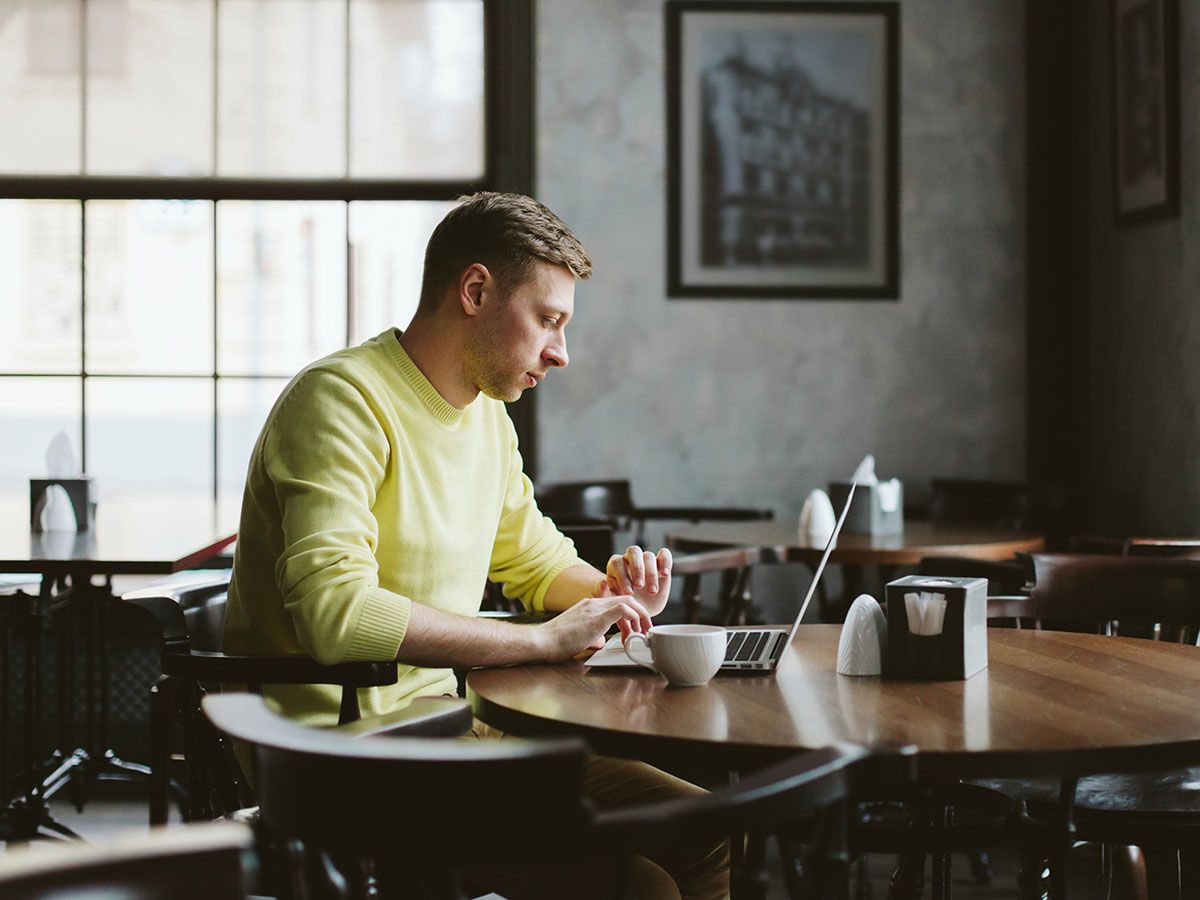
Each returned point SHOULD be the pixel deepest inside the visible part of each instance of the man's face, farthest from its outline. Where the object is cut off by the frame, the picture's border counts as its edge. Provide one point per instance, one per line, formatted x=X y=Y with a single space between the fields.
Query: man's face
x=520 y=337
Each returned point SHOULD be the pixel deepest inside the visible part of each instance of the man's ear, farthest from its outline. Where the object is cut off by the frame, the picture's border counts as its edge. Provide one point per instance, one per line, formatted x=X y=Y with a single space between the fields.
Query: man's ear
x=473 y=285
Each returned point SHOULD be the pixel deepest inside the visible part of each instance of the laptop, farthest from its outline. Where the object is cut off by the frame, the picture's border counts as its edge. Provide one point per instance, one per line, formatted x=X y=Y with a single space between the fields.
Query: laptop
x=746 y=649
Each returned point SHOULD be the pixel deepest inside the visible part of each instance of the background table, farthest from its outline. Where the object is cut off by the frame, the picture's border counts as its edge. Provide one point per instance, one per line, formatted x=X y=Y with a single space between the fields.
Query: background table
x=1049 y=701
x=918 y=540
x=854 y=551
x=131 y=536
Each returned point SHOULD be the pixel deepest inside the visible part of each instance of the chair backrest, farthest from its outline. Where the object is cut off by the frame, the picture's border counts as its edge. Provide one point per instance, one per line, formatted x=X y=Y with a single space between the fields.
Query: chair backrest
x=593 y=542
x=1152 y=546
x=736 y=567
x=421 y=802
x=591 y=499
x=357 y=795
x=1050 y=509
x=197 y=861
x=1110 y=592
x=191 y=614
x=1003 y=576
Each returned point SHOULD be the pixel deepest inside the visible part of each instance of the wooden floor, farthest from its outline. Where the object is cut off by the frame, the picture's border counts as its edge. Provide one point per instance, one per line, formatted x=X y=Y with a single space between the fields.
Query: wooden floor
x=121 y=807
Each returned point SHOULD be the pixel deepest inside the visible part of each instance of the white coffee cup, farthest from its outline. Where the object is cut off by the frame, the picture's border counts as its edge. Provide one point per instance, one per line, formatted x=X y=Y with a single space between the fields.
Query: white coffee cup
x=686 y=655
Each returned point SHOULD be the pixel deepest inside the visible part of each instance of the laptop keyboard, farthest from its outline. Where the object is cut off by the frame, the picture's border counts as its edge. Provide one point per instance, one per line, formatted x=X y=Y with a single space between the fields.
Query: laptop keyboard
x=742 y=646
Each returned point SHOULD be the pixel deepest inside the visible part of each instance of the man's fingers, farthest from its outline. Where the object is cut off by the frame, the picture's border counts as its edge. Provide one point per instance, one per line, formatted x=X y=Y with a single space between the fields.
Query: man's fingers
x=665 y=561
x=636 y=566
x=650 y=567
x=618 y=577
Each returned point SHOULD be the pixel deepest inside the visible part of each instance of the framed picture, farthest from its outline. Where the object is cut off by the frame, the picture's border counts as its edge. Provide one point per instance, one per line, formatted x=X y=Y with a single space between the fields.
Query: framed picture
x=1145 y=109
x=782 y=149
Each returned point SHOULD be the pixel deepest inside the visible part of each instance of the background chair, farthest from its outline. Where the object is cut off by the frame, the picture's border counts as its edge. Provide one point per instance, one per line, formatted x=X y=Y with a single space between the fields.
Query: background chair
x=199 y=861
x=1155 y=810
x=736 y=570
x=343 y=796
x=191 y=620
x=1052 y=510
x=584 y=502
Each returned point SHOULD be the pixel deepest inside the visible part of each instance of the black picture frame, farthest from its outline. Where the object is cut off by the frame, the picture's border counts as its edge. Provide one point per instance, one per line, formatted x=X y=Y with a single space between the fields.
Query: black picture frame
x=1145 y=110
x=783 y=152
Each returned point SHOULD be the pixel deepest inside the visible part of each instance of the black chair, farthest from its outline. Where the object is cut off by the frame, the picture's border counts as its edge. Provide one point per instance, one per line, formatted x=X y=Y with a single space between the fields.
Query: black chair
x=1053 y=510
x=1152 y=805
x=191 y=619
x=192 y=863
x=354 y=800
x=587 y=502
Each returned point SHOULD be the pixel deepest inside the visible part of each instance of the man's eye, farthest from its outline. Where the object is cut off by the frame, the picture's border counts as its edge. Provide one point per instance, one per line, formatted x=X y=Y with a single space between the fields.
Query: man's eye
x=549 y=320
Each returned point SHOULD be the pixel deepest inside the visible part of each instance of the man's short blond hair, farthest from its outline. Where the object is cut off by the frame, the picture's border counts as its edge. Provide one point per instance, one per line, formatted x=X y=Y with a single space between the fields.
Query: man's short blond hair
x=508 y=233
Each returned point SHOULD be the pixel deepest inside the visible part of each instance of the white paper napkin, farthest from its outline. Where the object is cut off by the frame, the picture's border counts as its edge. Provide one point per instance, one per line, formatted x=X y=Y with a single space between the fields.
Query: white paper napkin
x=926 y=612
x=56 y=512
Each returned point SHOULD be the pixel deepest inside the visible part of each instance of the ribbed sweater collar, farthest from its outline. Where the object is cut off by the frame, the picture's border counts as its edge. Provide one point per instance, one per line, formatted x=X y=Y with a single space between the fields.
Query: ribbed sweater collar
x=437 y=405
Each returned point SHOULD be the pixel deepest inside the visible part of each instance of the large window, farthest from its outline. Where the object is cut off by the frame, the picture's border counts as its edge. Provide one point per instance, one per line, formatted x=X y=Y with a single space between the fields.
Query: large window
x=199 y=197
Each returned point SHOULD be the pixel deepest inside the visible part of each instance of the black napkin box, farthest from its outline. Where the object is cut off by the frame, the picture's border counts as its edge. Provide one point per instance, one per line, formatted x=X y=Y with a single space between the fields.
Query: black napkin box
x=937 y=627
x=79 y=491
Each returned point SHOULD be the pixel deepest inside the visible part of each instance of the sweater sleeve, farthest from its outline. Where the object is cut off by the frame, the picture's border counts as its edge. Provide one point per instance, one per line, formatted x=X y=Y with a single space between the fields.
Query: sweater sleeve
x=529 y=552
x=325 y=455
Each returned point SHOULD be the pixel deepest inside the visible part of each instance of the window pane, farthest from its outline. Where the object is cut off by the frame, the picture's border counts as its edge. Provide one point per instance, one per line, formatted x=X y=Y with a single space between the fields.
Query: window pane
x=150 y=434
x=242 y=407
x=32 y=412
x=39 y=285
x=282 y=87
x=282 y=284
x=416 y=100
x=39 y=86
x=149 y=108
x=149 y=286
x=388 y=249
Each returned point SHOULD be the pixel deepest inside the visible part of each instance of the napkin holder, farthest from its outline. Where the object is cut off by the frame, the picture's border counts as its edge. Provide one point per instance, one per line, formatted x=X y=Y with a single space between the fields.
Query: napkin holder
x=959 y=650
x=79 y=492
x=868 y=514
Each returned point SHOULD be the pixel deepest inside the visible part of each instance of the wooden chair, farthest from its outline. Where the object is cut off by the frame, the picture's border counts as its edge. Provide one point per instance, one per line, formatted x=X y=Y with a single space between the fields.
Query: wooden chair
x=1003 y=576
x=1152 y=546
x=386 y=807
x=612 y=501
x=736 y=570
x=191 y=620
x=1150 y=802
x=192 y=863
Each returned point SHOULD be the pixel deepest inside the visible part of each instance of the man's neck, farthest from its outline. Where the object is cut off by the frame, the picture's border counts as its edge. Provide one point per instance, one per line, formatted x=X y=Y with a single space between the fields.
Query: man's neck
x=439 y=359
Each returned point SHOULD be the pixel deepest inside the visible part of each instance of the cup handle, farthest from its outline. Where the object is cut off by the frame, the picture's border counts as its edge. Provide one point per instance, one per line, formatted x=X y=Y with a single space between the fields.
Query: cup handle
x=629 y=640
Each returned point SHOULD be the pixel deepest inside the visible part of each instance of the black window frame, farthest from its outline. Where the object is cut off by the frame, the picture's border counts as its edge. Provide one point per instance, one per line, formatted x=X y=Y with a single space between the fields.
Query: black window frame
x=508 y=61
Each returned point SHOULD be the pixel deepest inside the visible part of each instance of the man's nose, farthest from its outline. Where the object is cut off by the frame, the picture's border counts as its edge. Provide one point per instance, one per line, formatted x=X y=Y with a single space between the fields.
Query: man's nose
x=556 y=354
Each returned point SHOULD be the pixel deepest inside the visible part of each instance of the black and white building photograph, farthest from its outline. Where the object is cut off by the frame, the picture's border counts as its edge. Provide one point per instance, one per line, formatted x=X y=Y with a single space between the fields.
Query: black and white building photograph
x=1145 y=109
x=782 y=176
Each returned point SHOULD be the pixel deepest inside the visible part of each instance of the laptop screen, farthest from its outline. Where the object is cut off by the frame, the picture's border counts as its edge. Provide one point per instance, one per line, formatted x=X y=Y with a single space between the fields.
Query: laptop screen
x=812 y=588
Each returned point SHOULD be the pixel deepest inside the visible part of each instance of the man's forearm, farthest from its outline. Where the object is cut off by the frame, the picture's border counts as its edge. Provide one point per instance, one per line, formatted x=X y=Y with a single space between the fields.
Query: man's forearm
x=443 y=639
x=571 y=585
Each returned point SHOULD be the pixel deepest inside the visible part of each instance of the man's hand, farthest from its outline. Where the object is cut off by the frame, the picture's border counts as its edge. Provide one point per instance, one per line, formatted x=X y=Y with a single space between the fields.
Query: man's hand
x=643 y=576
x=583 y=625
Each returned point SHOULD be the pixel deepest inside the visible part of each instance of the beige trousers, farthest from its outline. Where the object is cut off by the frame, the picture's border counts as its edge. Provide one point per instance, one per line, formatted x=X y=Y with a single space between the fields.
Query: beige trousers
x=695 y=873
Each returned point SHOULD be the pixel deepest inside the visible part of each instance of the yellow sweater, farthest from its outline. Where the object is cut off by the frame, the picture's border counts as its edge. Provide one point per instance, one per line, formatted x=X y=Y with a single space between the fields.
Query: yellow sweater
x=368 y=492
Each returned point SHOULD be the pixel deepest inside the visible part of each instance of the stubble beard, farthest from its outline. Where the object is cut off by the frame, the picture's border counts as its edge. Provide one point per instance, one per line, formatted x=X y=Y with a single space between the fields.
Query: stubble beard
x=486 y=368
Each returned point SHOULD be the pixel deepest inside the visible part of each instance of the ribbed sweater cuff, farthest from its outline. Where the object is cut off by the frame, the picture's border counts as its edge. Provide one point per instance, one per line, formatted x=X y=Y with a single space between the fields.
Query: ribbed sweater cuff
x=382 y=622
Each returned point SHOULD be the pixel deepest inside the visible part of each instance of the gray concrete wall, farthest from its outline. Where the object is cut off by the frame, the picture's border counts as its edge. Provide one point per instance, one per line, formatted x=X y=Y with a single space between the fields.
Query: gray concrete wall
x=1144 y=331
x=757 y=402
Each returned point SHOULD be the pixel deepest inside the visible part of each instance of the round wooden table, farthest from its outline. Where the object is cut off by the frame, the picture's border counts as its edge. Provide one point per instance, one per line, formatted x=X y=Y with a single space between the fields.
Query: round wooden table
x=918 y=540
x=1051 y=703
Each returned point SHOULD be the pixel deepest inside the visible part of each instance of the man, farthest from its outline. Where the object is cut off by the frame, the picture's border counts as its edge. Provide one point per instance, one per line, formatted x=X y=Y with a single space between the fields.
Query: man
x=384 y=490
